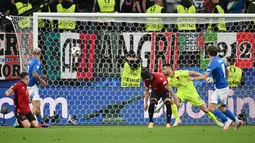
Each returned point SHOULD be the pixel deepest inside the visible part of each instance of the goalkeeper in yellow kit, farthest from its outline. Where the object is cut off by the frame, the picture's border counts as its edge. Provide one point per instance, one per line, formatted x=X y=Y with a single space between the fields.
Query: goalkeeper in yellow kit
x=186 y=91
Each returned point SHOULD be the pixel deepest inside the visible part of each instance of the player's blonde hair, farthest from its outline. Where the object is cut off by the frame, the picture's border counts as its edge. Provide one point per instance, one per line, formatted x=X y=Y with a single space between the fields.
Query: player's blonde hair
x=37 y=51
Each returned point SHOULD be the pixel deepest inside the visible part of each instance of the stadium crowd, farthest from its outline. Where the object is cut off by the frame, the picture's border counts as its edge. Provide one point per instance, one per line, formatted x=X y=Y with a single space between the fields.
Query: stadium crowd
x=27 y=7
x=138 y=6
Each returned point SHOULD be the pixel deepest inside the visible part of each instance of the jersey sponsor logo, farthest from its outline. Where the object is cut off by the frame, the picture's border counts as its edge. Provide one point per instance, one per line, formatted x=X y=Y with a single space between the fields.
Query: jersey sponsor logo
x=23 y=117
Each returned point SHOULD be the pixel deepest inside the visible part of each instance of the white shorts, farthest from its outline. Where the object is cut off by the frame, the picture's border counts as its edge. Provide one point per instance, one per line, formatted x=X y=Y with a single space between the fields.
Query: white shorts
x=33 y=93
x=219 y=96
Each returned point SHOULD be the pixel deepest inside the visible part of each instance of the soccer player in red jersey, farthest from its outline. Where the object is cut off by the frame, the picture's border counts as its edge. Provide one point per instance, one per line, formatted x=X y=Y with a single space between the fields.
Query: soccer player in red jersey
x=160 y=89
x=21 y=101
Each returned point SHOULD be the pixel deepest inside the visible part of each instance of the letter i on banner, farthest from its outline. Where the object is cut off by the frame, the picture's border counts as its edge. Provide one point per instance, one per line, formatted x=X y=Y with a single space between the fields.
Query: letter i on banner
x=245 y=50
x=163 y=50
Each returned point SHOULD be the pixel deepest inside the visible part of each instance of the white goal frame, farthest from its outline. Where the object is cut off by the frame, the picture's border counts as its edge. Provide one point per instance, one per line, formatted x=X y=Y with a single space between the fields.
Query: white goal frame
x=130 y=15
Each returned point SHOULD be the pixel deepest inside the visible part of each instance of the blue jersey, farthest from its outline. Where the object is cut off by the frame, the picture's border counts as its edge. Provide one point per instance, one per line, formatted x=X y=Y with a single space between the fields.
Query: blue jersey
x=36 y=65
x=217 y=68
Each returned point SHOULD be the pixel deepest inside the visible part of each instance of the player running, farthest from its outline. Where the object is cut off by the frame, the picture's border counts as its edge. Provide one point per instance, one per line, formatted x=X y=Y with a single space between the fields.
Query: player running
x=21 y=102
x=218 y=99
x=35 y=73
x=160 y=89
x=186 y=91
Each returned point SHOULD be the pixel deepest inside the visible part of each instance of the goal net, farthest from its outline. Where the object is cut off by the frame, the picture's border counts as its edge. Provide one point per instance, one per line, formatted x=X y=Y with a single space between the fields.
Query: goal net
x=91 y=88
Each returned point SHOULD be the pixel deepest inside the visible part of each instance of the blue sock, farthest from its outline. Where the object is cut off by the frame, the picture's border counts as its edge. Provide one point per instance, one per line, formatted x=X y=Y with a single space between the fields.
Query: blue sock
x=220 y=115
x=229 y=114
x=39 y=119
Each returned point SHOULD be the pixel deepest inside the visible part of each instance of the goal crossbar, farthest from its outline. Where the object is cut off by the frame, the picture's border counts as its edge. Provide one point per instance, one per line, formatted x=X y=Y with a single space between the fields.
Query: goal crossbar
x=241 y=17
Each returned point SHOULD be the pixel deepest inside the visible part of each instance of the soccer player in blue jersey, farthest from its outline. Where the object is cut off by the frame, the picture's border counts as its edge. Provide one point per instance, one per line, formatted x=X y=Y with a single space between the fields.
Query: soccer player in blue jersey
x=218 y=100
x=36 y=78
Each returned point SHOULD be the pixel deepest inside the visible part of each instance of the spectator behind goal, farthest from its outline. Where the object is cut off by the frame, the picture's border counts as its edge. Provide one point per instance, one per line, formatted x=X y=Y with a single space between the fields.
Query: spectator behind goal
x=127 y=6
x=43 y=24
x=186 y=7
x=220 y=26
x=66 y=6
x=146 y=4
x=132 y=68
x=107 y=6
x=22 y=6
x=158 y=26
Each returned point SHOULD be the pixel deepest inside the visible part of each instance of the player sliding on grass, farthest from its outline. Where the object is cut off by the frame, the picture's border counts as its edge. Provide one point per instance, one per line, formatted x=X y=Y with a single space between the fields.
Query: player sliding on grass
x=186 y=91
x=218 y=99
x=160 y=89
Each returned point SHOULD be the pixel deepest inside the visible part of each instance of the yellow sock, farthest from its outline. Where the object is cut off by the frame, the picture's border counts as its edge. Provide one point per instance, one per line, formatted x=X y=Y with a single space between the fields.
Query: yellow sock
x=211 y=115
x=175 y=111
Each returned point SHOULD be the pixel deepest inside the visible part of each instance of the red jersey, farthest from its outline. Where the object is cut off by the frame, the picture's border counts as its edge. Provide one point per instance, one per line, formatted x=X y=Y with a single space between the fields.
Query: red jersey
x=158 y=83
x=21 y=97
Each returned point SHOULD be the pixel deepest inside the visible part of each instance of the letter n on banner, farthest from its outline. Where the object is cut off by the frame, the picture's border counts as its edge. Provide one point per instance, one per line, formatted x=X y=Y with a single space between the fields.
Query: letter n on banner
x=85 y=67
x=164 y=49
x=245 y=50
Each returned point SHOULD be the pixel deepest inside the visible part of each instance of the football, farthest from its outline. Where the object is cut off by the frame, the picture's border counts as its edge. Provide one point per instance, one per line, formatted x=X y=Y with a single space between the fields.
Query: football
x=209 y=80
x=76 y=51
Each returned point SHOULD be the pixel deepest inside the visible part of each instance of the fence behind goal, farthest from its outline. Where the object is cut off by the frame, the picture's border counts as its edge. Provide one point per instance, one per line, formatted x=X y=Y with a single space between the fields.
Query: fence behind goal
x=89 y=86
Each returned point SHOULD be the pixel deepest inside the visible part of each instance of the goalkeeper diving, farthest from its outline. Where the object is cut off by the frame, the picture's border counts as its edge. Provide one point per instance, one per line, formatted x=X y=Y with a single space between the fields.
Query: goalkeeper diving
x=186 y=91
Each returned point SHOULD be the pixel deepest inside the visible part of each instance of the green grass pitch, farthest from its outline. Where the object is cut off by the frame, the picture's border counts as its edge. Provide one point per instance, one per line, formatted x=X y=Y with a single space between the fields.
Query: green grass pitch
x=128 y=134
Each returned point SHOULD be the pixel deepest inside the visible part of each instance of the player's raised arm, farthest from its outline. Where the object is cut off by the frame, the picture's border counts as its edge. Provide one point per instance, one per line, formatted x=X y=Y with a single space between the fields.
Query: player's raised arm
x=9 y=92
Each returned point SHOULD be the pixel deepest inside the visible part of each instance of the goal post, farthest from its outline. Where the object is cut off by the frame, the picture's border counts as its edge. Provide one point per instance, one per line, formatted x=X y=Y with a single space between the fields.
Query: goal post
x=89 y=86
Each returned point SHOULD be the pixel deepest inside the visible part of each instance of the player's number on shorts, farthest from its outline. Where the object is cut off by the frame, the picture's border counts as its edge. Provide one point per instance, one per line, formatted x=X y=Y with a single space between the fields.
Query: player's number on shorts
x=223 y=69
